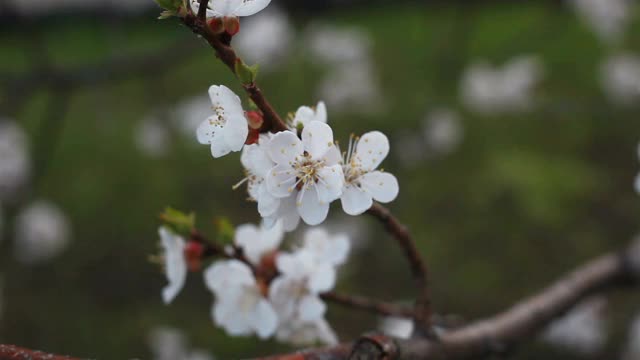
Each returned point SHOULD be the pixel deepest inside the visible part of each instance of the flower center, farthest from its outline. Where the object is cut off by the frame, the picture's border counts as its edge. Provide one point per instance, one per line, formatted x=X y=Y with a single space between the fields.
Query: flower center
x=219 y=119
x=306 y=170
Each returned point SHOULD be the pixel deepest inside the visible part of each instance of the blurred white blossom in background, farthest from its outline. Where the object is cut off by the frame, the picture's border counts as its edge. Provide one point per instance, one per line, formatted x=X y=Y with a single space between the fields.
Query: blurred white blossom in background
x=167 y=343
x=351 y=83
x=582 y=329
x=508 y=89
x=607 y=18
x=410 y=148
x=443 y=131
x=15 y=165
x=188 y=114
x=42 y=232
x=152 y=137
x=265 y=39
x=632 y=350
x=620 y=78
x=397 y=327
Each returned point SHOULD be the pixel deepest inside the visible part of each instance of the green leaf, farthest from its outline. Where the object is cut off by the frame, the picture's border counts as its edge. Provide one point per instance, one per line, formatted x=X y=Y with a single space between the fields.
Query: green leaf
x=178 y=221
x=247 y=74
x=226 y=230
x=171 y=6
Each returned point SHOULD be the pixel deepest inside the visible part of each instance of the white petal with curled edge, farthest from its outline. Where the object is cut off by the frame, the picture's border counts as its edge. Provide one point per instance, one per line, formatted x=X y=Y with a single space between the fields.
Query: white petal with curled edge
x=288 y=212
x=330 y=184
x=355 y=201
x=265 y=319
x=229 y=273
x=321 y=112
x=257 y=160
x=236 y=131
x=220 y=148
x=222 y=96
x=311 y=209
x=281 y=181
x=322 y=279
x=311 y=308
x=372 y=148
x=267 y=203
x=317 y=138
x=175 y=264
x=250 y=7
x=285 y=147
x=381 y=185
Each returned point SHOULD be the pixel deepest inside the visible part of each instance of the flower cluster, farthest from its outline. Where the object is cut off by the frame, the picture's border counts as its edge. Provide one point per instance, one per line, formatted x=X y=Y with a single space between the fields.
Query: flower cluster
x=296 y=174
x=267 y=292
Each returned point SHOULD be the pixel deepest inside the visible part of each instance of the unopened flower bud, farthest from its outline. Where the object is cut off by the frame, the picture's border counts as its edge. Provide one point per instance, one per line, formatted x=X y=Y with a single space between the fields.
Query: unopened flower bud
x=193 y=252
x=253 y=137
x=215 y=25
x=255 y=119
x=231 y=24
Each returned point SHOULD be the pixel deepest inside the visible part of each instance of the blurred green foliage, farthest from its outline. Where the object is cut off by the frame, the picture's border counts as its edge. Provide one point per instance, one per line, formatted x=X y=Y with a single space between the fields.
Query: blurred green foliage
x=522 y=200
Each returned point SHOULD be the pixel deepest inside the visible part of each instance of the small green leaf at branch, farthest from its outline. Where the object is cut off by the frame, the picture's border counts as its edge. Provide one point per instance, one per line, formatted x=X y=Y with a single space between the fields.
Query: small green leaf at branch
x=179 y=221
x=225 y=229
x=245 y=73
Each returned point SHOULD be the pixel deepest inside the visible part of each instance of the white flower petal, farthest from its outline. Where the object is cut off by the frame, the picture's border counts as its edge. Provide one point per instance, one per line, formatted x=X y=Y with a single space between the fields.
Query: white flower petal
x=281 y=181
x=265 y=319
x=321 y=112
x=311 y=308
x=333 y=156
x=304 y=115
x=355 y=201
x=225 y=314
x=328 y=249
x=222 y=96
x=284 y=147
x=208 y=131
x=236 y=132
x=288 y=212
x=280 y=295
x=317 y=138
x=330 y=184
x=175 y=264
x=256 y=159
x=381 y=185
x=250 y=7
x=267 y=203
x=229 y=273
x=247 y=237
x=311 y=209
x=322 y=279
x=372 y=148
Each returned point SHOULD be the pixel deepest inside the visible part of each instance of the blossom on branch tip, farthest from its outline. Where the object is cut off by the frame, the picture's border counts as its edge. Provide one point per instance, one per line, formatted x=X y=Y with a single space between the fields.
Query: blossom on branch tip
x=257 y=242
x=363 y=183
x=230 y=8
x=175 y=264
x=307 y=169
x=240 y=307
x=227 y=129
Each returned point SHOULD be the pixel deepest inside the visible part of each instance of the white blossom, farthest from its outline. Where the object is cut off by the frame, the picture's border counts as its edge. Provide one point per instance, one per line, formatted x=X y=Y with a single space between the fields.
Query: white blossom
x=15 y=165
x=231 y=8
x=175 y=264
x=258 y=241
x=152 y=137
x=42 y=232
x=363 y=183
x=397 y=327
x=352 y=87
x=442 y=131
x=620 y=78
x=608 y=18
x=508 y=89
x=305 y=115
x=331 y=45
x=240 y=307
x=582 y=330
x=632 y=350
x=227 y=130
x=306 y=169
x=304 y=275
x=265 y=39
x=257 y=163
x=167 y=343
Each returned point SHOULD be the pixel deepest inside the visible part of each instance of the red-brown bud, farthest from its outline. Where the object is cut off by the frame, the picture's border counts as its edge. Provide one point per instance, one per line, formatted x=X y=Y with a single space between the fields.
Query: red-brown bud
x=253 y=137
x=255 y=119
x=193 y=253
x=231 y=25
x=216 y=25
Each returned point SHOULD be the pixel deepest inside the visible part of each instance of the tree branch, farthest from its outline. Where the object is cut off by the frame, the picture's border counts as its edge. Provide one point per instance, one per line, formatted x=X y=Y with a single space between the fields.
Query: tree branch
x=498 y=333
x=12 y=352
x=272 y=121
x=423 y=309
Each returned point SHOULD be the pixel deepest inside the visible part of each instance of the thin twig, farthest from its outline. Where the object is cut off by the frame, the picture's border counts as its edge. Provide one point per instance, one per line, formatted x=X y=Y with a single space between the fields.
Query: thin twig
x=12 y=352
x=370 y=305
x=202 y=10
x=423 y=308
x=272 y=121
